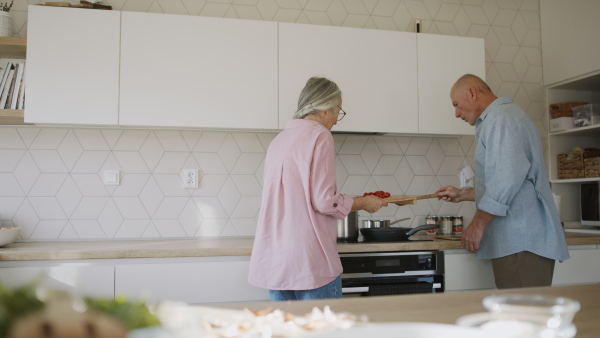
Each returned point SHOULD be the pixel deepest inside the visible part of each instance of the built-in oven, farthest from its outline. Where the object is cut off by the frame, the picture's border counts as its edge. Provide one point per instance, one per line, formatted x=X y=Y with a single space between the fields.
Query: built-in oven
x=392 y=273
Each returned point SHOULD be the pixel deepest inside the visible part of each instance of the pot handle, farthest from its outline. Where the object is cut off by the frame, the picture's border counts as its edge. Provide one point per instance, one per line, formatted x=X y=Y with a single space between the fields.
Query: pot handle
x=400 y=220
x=421 y=227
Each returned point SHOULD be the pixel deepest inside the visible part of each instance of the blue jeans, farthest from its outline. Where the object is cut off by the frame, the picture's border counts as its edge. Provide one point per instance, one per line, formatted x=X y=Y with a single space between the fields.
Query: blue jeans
x=331 y=290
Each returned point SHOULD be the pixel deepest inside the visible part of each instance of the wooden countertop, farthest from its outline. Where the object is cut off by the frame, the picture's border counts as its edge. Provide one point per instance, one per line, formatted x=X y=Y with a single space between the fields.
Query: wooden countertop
x=166 y=248
x=444 y=308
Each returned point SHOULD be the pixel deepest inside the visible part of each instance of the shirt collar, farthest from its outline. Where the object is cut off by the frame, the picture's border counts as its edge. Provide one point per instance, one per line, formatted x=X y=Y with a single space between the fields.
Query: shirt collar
x=295 y=123
x=493 y=105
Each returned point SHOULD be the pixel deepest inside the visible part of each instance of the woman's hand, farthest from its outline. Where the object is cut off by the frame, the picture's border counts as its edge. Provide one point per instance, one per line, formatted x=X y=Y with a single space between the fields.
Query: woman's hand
x=369 y=203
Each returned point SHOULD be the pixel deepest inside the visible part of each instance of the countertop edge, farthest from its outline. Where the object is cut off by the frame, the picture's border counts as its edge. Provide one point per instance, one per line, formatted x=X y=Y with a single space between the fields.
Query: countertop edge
x=50 y=251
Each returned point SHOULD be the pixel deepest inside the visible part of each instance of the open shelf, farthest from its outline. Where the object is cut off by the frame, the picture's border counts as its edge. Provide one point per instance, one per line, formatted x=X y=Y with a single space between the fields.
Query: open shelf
x=12 y=117
x=593 y=130
x=12 y=48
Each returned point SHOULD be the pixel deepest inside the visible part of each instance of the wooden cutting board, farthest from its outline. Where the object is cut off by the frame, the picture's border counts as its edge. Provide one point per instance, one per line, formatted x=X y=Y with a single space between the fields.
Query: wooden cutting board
x=408 y=199
x=449 y=237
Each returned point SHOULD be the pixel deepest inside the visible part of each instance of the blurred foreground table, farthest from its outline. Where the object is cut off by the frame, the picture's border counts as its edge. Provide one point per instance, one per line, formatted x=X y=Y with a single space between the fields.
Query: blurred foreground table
x=443 y=308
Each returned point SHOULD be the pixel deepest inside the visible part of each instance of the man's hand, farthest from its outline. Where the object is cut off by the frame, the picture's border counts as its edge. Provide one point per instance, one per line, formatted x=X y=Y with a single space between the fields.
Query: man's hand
x=472 y=235
x=455 y=195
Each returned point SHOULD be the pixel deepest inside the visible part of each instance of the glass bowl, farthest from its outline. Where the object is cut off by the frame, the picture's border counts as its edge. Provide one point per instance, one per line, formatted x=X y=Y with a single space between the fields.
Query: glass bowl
x=559 y=311
x=516 y=325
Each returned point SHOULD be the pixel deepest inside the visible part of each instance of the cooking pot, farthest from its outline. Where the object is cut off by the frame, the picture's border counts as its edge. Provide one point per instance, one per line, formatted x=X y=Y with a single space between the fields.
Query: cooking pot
x=347 y=228
x=393 y=234
x=381 y=223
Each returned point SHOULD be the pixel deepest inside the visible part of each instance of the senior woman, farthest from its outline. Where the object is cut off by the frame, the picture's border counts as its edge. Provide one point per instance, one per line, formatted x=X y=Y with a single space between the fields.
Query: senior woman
x=295 y=253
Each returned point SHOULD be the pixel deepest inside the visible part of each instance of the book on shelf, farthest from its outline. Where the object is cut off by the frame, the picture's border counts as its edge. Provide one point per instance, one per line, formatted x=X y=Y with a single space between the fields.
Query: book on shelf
x=7 y=86
x=5 y=70
x=21 y=98
x=17 y=87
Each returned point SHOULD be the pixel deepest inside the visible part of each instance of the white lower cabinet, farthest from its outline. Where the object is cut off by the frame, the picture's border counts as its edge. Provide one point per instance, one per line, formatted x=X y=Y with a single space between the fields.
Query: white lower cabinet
x=465 y=272
x=582 y=268
x=194 y=281
x=75 y=278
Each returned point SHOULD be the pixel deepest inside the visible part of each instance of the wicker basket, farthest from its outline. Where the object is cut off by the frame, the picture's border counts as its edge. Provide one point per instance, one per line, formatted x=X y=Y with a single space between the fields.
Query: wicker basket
x=563 y=109
x=570 y=166
x=592 y=166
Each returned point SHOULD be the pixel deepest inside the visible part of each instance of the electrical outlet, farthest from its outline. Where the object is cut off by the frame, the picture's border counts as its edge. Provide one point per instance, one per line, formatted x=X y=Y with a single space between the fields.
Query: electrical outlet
x=466 y=177
x=465 y=182
x=190 y=178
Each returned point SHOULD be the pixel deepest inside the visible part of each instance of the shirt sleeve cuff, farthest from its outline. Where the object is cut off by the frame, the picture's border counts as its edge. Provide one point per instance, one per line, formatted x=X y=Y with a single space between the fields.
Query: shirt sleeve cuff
x=346 y=205
x=492 y=207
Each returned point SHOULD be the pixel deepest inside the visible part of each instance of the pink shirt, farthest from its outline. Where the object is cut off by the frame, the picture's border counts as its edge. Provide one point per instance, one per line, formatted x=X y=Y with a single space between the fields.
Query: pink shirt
x=295 y=244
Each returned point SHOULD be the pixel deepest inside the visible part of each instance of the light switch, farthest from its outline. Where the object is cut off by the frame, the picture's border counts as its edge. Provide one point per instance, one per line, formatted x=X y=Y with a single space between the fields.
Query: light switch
x=112 y=177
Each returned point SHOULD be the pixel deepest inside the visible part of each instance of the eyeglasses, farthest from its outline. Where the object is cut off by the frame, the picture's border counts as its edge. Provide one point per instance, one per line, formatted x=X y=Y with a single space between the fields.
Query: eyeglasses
x=341 y=114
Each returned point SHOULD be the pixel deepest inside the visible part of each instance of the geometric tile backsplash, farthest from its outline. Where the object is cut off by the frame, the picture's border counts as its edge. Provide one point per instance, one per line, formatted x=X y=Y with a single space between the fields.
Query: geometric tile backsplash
x=51 y=178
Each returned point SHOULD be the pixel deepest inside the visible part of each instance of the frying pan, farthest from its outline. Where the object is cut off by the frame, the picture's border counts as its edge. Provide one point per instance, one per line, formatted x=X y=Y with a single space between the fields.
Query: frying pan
x=393 y=234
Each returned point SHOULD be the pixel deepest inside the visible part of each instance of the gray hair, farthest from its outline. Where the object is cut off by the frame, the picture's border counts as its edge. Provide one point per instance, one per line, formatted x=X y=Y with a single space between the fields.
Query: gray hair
x=319 y=94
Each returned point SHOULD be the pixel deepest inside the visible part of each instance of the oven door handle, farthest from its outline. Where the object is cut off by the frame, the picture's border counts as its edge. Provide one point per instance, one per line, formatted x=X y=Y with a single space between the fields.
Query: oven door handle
x=355 y=290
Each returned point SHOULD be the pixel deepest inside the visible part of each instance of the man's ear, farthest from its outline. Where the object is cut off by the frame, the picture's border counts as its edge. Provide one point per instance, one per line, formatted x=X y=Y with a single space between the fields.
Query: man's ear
x=473 y=93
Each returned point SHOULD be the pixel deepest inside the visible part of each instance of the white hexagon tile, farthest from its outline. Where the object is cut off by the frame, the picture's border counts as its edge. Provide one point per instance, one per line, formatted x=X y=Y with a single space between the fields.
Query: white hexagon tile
x=51 y=179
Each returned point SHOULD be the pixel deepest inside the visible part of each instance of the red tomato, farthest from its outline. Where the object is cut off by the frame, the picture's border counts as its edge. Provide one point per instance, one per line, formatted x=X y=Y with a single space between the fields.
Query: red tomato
x=378 y=193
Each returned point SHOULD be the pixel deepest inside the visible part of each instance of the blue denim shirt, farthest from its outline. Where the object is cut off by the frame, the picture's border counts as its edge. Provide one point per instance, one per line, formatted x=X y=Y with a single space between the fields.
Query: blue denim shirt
x=511 y=183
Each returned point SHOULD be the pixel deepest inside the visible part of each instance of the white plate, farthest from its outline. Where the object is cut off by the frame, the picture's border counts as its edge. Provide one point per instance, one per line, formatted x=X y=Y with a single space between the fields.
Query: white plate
x=412 y=330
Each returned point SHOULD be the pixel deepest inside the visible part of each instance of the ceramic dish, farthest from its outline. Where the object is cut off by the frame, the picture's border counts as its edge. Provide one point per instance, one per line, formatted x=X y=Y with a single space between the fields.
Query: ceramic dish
x=8 y=235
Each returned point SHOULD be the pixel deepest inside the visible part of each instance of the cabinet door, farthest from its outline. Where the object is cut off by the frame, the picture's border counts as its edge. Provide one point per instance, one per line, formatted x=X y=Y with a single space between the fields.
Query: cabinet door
x=72 y=67
x=93 y=281
x=375 y=70
x=201 y=282
x=442 y=60
x=189 y=71
x=582 y=268
x=465 y=272
x=570 y=39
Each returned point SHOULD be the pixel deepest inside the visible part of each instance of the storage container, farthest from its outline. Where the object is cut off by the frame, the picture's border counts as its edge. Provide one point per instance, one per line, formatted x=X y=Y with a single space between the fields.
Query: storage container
x=579 y=165
x=570 y=166
x=561 y=124
x=591 y=163
x=586 y=115
x=563 y=109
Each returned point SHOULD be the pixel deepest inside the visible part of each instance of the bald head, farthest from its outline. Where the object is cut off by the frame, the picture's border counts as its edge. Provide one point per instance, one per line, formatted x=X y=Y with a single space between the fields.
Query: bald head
x=471 y=81
x=470 y=96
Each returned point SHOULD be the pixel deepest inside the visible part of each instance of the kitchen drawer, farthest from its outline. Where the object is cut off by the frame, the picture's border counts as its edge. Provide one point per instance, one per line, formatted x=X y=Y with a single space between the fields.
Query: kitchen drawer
x=214 y=281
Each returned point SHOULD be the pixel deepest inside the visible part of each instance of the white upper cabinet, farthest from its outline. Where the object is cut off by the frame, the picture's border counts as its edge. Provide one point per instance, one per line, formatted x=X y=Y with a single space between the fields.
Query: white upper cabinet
x=189 y=71
x=72 y=67
x=570 y=39
x=442 y=60
x=375 y=70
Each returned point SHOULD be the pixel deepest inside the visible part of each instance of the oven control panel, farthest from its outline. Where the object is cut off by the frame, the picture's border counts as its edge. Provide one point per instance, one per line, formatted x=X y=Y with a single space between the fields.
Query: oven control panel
x=408 y=263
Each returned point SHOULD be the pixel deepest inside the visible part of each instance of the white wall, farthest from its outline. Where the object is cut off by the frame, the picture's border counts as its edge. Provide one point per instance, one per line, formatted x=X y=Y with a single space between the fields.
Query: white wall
x=50 y=177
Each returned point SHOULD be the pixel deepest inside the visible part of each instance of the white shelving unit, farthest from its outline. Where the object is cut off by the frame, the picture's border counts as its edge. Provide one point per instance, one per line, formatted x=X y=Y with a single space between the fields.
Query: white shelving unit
x=584 y=89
